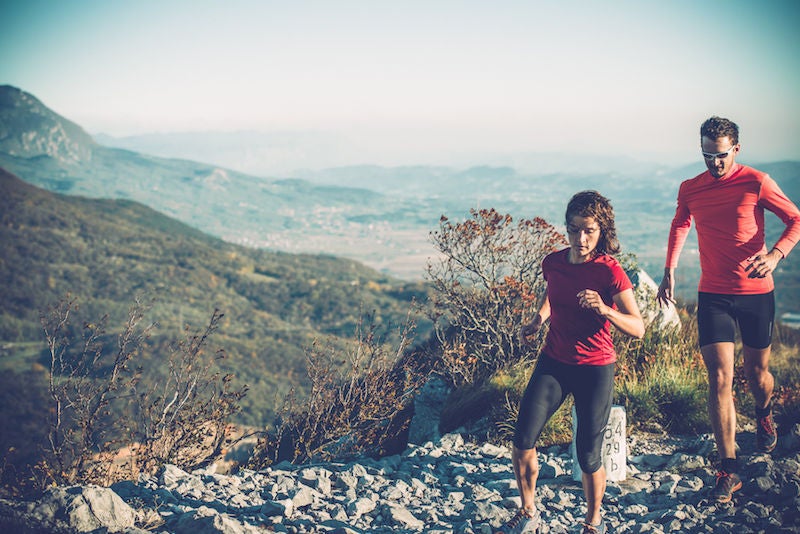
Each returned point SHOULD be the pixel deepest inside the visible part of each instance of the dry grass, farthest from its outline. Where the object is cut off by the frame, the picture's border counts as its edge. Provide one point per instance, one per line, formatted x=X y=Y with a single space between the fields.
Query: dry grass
x=661 y=380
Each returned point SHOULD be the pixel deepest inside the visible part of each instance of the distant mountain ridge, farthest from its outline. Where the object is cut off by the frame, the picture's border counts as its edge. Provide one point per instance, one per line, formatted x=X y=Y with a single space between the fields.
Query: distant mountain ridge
x=282 y=214
x=299 y=153
x=376 y=215
x=28 y=130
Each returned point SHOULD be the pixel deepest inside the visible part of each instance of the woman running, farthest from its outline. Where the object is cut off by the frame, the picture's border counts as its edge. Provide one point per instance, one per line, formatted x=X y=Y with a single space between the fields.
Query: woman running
x=587 y=292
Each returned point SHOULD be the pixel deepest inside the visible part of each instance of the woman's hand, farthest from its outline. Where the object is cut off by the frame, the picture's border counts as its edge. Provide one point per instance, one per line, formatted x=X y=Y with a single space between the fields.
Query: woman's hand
x=591 y=300
x=626 y=317
x=528 y=331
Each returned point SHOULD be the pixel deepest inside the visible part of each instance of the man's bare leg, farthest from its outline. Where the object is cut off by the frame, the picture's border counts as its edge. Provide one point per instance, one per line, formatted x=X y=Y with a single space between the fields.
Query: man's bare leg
x=762 y=383
x=760 y=380
x=719 y=358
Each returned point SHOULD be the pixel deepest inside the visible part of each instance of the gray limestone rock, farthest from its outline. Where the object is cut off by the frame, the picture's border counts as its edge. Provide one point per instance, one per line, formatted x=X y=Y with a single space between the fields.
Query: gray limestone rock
x=85 y=509
x=448 y=485
x=428 y=405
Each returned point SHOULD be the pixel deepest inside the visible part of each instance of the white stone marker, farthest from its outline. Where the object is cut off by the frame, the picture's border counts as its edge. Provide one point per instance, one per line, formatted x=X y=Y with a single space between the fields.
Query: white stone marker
x=615 y=449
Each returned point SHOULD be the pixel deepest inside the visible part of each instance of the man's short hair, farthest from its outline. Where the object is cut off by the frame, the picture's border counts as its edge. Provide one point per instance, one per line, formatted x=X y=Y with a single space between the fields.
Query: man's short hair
x=717 y=127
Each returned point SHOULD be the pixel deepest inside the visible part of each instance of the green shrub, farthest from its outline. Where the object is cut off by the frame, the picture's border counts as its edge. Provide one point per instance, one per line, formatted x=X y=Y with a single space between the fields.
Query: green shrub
x=668 y=400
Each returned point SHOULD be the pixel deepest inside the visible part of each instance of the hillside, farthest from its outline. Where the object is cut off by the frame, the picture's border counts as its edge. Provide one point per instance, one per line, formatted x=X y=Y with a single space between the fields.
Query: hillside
x=108 y=252
x=48 y=150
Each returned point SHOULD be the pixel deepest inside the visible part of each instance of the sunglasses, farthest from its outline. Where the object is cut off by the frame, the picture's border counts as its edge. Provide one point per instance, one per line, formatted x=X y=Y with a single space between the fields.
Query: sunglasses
x=721 y=155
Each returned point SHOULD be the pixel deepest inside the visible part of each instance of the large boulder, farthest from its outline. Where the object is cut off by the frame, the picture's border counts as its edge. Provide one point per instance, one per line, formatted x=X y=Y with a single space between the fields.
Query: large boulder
x=83 y=509
x=645 y=290
x=428 y=406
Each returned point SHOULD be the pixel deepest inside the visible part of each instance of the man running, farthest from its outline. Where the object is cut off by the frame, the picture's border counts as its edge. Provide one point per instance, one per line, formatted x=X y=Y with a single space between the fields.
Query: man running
x=727 y=203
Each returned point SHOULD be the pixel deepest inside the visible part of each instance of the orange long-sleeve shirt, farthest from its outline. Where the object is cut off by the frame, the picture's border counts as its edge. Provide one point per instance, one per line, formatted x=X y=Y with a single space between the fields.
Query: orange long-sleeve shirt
x=729 y=218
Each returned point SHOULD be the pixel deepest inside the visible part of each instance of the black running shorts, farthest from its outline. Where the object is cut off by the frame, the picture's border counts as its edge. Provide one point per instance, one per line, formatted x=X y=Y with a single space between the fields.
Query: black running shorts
x=719 y=315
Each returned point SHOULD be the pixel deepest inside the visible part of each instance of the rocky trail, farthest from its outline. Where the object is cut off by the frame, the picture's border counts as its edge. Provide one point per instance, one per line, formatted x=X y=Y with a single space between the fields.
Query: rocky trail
x=445 y=486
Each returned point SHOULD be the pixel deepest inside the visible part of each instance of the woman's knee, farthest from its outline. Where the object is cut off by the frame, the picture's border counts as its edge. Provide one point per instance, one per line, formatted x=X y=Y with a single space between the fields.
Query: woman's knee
x=588 y=449
x=590 y=461
x=524 y=438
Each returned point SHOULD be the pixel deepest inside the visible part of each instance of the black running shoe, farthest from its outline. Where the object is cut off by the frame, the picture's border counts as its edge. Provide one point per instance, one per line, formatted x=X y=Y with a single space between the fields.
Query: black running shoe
x=727 y=483
x=766 y=435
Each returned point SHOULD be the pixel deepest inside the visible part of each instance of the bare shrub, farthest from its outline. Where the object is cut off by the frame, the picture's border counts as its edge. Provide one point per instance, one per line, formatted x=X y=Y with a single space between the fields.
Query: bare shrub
x=486 y=283
x=98 y=402
x=83 y=385
x=355 y=404
x=185 y=419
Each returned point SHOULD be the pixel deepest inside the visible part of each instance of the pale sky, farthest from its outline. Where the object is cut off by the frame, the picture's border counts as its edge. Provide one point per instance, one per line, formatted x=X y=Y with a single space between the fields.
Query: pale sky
x=418 y=81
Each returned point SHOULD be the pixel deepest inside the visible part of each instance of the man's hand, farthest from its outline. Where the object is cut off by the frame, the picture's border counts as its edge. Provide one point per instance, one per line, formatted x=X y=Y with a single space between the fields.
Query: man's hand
x=763 y=264
x=666 y=289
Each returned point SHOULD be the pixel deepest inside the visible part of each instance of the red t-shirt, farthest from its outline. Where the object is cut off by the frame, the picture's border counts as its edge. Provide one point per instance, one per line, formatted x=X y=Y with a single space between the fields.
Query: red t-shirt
x=579 y=336
x=729 y=217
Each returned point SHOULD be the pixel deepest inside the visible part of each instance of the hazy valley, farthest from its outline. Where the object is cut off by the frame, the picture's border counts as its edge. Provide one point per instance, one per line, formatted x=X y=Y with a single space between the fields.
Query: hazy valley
x=380 y=216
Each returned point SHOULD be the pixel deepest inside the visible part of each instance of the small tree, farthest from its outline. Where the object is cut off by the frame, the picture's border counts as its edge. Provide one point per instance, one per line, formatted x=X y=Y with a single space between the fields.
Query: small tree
x=99 y=402
x=184 y=420
x=83 y=386
x=486 y=283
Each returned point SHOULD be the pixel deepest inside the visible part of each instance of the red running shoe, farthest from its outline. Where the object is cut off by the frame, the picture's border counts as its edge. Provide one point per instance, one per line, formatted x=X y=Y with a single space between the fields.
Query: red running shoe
x=766 y=435
x=727 y=483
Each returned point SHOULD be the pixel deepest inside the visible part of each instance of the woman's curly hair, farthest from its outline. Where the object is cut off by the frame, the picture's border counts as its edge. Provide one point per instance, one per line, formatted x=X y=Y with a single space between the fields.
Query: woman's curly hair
x=593 y=204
